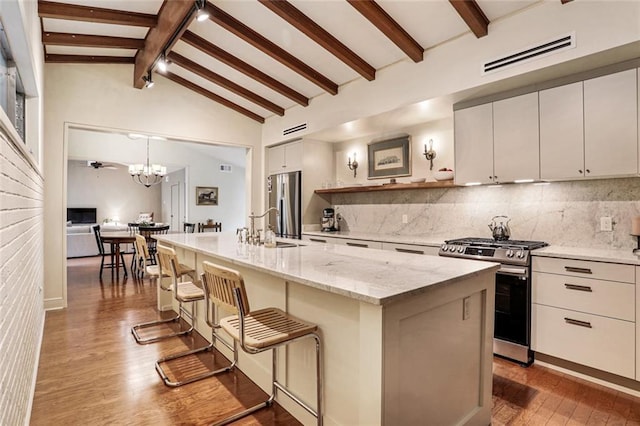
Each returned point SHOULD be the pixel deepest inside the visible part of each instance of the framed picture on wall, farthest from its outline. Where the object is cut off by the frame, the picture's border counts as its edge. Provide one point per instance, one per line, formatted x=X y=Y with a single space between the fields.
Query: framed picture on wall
x=206 y=195
x=389 y=158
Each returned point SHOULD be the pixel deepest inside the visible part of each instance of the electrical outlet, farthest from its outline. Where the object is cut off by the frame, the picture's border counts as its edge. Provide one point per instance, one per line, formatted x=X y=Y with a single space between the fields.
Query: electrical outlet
x=465 y=309
x=405 y=219
x=605 y=224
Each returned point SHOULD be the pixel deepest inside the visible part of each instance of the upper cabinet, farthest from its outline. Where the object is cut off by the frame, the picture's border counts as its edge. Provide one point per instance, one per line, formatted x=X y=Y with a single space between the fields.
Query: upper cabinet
x=562 y=132
x=497 y=142
x=611 y=125
x=473 y=132
x=589 y=129
x=516 y=139
x=284 y=158
x=586 y=129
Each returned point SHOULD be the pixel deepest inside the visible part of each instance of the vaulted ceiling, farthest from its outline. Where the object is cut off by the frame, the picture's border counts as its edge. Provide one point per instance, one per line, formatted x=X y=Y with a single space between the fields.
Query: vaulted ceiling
x=260 y=57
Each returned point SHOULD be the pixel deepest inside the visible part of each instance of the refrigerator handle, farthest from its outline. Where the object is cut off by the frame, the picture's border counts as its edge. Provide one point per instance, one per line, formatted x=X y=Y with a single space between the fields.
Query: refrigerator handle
x=280 y=217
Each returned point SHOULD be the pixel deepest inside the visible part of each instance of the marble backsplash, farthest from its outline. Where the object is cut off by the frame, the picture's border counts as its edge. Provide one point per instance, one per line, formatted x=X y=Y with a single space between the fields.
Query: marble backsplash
x=562 y=213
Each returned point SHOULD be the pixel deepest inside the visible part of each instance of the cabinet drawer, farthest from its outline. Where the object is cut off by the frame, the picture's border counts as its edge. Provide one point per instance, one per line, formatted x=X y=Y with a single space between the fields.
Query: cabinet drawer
x=603 y=343
x=363 y=243
x=607 y=298
x=585 y=269
x=411 y=248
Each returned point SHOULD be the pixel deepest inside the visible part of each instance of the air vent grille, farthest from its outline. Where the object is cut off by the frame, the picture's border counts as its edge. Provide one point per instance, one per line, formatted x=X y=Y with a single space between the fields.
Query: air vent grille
x=225 y=168
x=534 y=52
x=294 y=129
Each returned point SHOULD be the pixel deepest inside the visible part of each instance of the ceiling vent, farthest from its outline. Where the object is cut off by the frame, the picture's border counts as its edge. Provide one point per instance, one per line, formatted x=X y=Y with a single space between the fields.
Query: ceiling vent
x=534 y=52
x=225 y=168
x=294 y=129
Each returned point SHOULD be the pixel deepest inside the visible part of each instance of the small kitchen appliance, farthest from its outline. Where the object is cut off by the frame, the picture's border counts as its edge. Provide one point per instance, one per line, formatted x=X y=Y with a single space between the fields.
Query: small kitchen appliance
x=329 y=220
x=512 y=327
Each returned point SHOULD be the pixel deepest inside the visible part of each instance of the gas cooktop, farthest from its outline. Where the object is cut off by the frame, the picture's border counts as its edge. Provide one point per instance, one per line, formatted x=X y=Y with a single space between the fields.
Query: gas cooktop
x=513 y=252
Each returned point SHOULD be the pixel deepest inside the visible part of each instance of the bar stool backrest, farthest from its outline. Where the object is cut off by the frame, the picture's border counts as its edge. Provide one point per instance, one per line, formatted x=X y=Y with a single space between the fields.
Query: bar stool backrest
x=220 y=284
x=169 y=264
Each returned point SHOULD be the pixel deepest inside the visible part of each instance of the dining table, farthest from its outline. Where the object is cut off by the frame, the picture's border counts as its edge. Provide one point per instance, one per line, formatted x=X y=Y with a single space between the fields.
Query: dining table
x=115 y=238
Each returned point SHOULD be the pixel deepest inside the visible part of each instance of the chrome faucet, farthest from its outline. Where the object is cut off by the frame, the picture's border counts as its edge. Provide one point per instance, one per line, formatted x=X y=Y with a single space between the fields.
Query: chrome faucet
x=254 y=236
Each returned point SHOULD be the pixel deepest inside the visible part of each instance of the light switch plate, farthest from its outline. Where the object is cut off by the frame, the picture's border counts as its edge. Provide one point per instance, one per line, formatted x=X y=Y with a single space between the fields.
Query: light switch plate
x=405 y=219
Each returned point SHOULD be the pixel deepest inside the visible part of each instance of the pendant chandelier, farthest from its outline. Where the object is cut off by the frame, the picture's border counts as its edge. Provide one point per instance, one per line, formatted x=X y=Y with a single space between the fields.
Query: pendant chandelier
x=147 y=174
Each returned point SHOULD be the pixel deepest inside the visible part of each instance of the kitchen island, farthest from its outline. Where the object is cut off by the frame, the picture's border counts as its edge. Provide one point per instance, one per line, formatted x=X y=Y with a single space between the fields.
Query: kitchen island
x=407 y=338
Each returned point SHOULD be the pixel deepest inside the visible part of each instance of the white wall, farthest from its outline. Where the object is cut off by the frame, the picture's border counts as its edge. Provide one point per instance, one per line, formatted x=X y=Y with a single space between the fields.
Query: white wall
x=111 y=192
x=455 y=66
x=21 y=223
x=102 y=96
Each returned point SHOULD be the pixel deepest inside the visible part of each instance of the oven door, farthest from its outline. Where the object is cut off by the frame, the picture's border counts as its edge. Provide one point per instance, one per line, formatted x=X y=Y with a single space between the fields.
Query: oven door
x=513 y=305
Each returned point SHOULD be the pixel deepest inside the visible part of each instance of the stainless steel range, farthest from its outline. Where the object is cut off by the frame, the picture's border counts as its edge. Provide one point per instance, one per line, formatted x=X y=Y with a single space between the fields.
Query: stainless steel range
x=512 y=328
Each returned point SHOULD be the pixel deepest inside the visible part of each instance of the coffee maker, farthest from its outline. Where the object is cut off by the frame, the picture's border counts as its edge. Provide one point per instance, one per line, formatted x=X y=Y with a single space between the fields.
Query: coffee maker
x=329 y=223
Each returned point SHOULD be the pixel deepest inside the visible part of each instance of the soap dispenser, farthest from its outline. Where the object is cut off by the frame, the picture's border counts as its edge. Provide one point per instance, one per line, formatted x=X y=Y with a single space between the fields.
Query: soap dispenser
x=270 y=238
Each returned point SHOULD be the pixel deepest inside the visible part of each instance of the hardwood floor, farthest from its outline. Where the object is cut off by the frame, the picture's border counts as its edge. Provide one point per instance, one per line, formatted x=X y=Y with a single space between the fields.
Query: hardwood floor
x=93 y=373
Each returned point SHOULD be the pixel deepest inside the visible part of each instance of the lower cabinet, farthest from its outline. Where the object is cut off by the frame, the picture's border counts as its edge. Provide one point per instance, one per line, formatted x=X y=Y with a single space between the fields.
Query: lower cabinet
x=343 y=241
x=584 y=312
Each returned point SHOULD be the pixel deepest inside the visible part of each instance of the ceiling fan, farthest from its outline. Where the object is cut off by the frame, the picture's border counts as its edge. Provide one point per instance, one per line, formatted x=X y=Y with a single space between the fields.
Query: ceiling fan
x=100 y=165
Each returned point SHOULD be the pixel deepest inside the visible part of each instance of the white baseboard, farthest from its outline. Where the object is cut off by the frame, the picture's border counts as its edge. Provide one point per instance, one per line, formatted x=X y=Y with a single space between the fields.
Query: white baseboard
x=34 y=380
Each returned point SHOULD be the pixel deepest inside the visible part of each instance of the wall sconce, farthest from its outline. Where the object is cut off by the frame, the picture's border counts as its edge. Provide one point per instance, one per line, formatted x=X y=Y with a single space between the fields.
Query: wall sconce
x=201 y=14
x=353 y=165
x=429 y=154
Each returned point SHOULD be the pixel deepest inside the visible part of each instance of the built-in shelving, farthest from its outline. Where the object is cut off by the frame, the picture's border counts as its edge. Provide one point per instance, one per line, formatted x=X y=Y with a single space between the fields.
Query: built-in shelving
x=386 y=187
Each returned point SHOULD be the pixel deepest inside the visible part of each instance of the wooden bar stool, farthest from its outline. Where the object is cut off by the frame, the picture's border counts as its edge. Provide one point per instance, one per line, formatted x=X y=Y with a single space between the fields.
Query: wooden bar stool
x=182 y=291
x=259 y=331
x=214 y=300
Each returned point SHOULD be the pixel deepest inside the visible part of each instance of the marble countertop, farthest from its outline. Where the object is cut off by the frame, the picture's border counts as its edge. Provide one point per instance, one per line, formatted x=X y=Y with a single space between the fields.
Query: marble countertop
x=433 y=241
x=369 y=275
x=624 y=256
x=614 y=255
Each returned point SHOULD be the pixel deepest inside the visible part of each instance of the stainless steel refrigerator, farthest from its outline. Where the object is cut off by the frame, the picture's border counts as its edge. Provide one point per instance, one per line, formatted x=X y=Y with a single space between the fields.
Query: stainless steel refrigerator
x=285 y=193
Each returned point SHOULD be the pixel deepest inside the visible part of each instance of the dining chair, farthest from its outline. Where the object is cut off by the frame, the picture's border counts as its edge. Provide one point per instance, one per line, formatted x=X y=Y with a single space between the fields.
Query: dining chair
x=103 y=253
x=210 y=227
x=258 y=331
x=183 y=292
x=189 y=227
x=147 y=232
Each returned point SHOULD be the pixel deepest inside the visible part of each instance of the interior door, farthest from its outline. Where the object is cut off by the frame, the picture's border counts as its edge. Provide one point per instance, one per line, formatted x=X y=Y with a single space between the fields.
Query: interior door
x=175 y=207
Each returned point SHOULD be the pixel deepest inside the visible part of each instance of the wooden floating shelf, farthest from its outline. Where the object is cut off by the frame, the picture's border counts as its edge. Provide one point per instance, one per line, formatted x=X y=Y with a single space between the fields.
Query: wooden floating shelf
x=387 y=187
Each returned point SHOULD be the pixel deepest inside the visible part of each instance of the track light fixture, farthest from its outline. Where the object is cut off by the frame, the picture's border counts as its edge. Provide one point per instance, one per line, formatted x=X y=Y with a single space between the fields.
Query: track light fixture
x=148 y=81
x=202 y=14
x=163 y=64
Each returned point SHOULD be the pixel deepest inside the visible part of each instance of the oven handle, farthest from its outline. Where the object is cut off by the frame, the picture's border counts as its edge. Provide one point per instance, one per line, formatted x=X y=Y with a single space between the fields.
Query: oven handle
x=512 y=270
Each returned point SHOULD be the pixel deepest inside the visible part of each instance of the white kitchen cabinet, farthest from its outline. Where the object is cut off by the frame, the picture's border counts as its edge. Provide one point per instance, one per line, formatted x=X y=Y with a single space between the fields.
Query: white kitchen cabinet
x=584 y=312
x=343 y=241
x=473 y=145
x=411 y=248
x=323 y=239
x=611 y=125
x=516 y=141
x=497 y=142
x=285 y=158
x=562 y=132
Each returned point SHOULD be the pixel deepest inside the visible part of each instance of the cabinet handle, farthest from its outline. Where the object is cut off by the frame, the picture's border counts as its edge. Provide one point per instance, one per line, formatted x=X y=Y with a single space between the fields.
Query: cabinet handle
x=588 y=171
x=402 y=250
x=578 y=322
x=578 y=270
x=315 y=240
x=358 y=245
x=580 y=171
x=578 y=287
x=490 y=177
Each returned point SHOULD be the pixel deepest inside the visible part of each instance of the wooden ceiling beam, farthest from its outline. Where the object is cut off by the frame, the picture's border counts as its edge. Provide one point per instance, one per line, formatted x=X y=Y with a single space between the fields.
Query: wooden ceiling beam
x=315 y=32
x=173 y=19
x=86 y=40
x=224 y=82
x=242 y=31
x=88 y=59
x=243 y=67
x=389 y=27
x=474 y=17
x=204 y=92
x=72 y=12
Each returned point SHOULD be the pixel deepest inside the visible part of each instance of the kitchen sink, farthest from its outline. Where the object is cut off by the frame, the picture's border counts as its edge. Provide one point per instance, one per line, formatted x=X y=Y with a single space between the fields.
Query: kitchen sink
x=284 y=244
